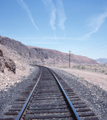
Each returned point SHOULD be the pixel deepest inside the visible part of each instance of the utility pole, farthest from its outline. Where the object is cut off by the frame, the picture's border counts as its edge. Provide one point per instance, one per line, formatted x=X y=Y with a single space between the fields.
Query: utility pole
x=54 y=61
x=69 y=58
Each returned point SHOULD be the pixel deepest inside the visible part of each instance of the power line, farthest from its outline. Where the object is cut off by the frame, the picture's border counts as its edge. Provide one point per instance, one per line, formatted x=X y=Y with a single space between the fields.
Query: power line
x=96 y=47
x=69 y=58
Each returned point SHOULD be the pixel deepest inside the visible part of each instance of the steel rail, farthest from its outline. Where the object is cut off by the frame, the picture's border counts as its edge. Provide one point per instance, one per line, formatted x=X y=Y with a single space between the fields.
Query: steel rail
x=66 y=97
x=27 y=101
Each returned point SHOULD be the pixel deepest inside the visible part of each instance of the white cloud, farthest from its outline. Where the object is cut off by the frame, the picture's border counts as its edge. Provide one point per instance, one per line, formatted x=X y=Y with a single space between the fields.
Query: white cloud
x=52 y=10
x=25 y=7
x=61 y=14
x=95 y=23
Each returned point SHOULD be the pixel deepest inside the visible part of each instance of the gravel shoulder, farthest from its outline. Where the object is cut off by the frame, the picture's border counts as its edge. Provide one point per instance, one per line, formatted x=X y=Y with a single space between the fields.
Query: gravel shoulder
x=8 y=95
x=91 y=93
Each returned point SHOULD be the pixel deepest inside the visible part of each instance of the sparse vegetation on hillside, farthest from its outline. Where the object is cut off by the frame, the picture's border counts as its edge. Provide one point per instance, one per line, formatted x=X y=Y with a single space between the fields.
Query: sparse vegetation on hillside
x=100 y=68
x=79 y=67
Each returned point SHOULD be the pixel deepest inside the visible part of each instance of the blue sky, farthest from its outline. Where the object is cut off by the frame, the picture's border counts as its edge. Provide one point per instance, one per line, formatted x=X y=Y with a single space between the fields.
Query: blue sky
x=76 y=25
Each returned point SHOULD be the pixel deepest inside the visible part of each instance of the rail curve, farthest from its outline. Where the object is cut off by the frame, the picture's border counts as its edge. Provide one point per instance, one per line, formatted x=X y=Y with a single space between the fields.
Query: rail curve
x=50 y=99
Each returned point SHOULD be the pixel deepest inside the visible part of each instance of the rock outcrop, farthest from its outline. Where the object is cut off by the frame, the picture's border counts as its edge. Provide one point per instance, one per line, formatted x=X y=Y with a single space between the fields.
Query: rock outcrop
x=2 y=61
x=10 y=64
x=6 y=62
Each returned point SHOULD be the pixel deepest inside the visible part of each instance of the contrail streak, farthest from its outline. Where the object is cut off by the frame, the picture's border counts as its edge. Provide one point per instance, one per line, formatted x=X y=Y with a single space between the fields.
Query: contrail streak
x=25 y=7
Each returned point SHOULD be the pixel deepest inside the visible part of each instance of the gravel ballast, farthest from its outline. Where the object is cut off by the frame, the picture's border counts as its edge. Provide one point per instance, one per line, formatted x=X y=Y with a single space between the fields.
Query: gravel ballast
x=92 y=95
x=8 y=96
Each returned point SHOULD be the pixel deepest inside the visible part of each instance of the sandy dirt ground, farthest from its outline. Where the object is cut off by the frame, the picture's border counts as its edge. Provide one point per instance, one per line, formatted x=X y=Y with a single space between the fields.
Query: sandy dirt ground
x=98 y=79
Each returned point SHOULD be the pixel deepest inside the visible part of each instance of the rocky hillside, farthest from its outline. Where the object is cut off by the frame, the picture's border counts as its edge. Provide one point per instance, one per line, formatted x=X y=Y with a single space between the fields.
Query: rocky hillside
x=41 y=55
x=61 y=56
x=17 y=46
x=13 y=67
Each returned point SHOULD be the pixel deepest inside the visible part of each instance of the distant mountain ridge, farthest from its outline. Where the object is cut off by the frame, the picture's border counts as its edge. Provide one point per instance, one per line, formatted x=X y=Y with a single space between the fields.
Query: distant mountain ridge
x=43 y=55
x=102 y=60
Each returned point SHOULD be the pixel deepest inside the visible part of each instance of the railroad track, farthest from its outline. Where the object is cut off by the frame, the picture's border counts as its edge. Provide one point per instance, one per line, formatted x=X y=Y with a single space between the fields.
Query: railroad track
x=50 y=99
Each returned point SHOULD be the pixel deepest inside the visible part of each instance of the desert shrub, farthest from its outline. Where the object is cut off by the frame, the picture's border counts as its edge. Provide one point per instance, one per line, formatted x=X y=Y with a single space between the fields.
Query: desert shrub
x=20 y=54
x=77 y=78
x=74 y=66
x=102 y=71
x=95 y=69
x=79 y=67
x=64 y=67
x=83 y=67
x=81 y=78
